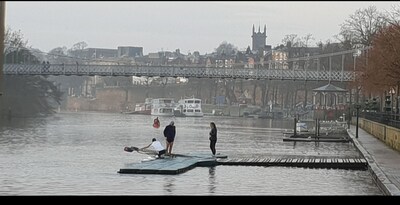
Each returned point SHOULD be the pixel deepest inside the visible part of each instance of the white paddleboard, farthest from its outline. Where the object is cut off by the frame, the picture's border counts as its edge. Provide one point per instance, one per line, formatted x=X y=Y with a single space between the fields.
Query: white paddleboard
x=148 y=159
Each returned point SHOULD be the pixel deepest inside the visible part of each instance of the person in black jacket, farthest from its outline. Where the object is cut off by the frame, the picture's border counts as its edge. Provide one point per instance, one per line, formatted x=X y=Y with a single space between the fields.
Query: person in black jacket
x=169 y=133
x=213 y=137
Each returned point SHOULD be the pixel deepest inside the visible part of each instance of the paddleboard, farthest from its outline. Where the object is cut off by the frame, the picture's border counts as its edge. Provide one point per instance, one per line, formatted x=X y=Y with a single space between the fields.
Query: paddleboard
x=148 y=159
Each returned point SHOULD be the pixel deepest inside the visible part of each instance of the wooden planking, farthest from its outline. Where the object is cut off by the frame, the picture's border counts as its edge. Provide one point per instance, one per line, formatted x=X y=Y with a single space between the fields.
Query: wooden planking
x=290 y=139
x=300 y=162
x=180 y=164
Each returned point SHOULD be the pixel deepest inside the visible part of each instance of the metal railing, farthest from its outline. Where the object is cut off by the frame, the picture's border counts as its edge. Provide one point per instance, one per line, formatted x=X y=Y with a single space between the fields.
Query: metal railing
x=386 y=118
x=176 y=71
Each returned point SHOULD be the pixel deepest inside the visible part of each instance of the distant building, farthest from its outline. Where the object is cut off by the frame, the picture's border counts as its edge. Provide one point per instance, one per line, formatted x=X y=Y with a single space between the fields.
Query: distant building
x=250 y=63
x=279 y=59
x=94 y=53
x=281 y=54
x=210 y=61
x=130 y=51
x=154 y=55
x=295 y=52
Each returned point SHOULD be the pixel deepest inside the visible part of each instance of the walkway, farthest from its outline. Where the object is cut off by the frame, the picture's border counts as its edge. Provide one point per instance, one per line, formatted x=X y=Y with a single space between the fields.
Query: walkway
x=384 y=162
x=178 y=71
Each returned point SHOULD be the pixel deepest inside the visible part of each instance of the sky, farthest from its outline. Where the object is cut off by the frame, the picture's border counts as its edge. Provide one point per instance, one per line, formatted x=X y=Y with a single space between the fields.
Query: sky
x=169 y=25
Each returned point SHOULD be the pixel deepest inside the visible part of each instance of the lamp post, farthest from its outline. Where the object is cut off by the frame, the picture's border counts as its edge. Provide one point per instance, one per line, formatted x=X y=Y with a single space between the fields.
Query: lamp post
x=397 y=98
x=357 y=106
x=391 y=92
x=355 y=55
x=349 y=117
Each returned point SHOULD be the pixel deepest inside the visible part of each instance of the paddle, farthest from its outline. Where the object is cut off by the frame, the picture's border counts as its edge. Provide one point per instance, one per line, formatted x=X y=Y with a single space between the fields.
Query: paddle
x=141 y=151
x=131 y=149
x=149 y=152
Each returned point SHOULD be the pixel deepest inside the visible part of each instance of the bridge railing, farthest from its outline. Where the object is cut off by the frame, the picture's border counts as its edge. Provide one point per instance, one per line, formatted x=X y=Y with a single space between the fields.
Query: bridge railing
x=176 y=71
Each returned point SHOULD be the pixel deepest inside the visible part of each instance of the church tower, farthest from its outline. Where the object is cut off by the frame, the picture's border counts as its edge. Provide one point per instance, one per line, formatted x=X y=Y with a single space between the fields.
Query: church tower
x=259 y=39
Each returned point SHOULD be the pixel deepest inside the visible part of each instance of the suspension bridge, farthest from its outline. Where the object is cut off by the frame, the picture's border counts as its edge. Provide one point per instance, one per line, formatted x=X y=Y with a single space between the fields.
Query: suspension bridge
x=268 y=71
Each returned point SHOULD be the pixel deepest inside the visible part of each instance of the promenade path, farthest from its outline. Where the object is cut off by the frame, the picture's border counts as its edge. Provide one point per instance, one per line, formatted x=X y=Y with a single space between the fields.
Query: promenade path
x=383 y=161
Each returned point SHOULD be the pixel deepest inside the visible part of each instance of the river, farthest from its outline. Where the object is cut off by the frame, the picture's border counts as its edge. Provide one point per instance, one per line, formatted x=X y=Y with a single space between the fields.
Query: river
x=80 y=154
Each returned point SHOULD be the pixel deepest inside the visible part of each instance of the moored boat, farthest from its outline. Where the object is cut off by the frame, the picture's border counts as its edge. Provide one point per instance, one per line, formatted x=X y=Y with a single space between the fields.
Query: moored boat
x=163 y=107
x=189 y=107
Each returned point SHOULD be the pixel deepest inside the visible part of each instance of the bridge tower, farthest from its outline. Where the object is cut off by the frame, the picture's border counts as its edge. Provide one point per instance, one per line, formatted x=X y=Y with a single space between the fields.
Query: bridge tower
x=259 y=39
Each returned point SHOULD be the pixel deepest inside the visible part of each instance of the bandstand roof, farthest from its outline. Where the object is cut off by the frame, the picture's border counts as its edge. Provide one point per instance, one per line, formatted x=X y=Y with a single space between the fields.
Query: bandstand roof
x=329 y=88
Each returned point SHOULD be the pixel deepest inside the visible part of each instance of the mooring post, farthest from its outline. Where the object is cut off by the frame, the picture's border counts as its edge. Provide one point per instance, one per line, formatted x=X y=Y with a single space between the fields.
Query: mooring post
x=295 y=127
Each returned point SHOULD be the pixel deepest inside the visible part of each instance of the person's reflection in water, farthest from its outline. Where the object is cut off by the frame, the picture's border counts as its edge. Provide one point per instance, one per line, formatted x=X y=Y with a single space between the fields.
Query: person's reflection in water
x=211 y=179
x=169 y=184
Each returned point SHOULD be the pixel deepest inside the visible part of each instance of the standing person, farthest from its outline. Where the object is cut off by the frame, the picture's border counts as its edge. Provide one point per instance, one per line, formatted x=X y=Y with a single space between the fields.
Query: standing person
x=213 y=137
x=156 y=145
x=169 y=133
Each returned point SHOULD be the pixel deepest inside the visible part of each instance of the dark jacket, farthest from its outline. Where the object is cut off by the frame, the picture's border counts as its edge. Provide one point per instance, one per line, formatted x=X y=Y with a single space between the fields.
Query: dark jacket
x=169 y=132
x=213 y=134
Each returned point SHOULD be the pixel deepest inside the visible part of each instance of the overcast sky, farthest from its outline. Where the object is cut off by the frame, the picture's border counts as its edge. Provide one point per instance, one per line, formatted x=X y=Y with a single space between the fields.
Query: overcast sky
x=189 y=26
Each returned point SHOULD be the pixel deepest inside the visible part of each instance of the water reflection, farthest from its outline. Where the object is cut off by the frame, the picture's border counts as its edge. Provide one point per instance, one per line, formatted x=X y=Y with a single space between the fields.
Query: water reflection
x=169 y=184
x=212 y=180
x=20 y=122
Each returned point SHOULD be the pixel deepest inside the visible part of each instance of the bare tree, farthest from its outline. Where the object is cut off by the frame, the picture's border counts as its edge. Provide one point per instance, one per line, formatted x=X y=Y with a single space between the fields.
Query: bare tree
x=226 y=48
x=58 y=55
x=77 y=49
x=26 y=95
x=292 y=38
x=14 y=39
x=79 y=46
x=305 y=40
x=383 y=71
x=13 y=43
x=362 y=26
x=393 y=16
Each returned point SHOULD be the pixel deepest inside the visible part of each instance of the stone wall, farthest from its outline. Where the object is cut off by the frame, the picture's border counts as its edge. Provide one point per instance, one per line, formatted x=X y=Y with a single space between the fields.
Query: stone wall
x=387 y=134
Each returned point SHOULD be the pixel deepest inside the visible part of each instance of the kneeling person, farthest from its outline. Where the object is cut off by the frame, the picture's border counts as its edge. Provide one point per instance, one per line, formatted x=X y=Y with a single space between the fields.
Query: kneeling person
x=156 y=146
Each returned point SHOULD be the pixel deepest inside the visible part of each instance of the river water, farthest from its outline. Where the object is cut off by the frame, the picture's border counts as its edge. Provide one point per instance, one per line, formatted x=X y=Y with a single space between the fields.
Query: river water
x=81 y=153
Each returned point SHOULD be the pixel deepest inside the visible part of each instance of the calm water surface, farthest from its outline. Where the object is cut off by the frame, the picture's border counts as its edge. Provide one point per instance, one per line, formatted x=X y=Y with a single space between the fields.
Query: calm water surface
x=80 y=154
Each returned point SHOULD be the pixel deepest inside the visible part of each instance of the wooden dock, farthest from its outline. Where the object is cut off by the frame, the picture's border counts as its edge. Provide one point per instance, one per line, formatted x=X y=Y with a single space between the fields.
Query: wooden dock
x=181 y=163
x=294 y=139
x=171 y=165
x=356 y=163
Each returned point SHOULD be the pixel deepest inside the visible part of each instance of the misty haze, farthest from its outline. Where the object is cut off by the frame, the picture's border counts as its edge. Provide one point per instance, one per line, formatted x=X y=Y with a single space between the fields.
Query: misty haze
x=282 y=98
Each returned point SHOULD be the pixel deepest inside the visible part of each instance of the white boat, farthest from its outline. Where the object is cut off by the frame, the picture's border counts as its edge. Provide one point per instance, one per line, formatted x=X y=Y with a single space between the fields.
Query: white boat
x=163 y=107
x=143 y=108
x=301 y=127
x=189 y=107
